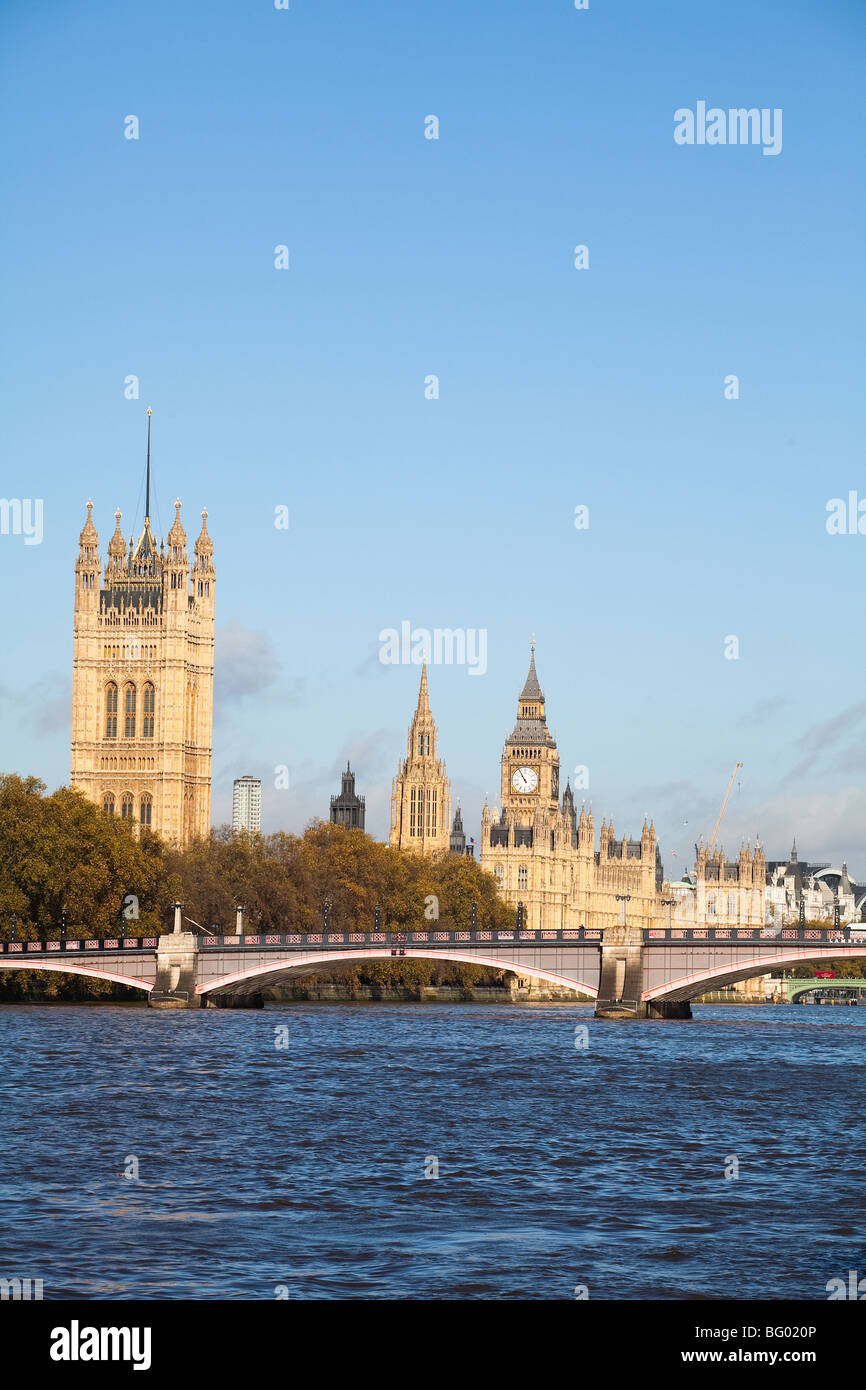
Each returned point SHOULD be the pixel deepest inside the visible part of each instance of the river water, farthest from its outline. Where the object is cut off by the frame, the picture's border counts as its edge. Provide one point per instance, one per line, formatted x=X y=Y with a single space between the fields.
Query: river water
x=298 y=1170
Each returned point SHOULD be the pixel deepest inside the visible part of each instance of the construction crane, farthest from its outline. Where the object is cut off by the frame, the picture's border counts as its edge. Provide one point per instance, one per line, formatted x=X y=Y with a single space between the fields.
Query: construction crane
x=722 y=811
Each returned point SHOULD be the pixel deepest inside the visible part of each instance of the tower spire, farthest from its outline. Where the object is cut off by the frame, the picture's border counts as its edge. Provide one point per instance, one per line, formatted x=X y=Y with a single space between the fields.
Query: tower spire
x=147 y=493
x=423 y=692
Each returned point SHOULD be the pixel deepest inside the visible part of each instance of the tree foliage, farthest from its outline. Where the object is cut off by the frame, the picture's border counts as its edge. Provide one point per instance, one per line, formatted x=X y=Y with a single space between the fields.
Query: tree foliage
x=61 y=852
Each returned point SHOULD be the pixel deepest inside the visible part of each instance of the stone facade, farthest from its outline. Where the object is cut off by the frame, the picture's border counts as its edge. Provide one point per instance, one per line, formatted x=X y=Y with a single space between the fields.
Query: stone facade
x=544 y=856
x=421 y=792
x=142 y=677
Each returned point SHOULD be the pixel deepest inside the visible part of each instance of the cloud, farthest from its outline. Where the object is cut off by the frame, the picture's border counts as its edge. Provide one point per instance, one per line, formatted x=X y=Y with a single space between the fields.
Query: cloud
x=34 y=709
x=827 y=824
x=822 y=738
x=764 y=710
x=245 y=663
x=831 y=731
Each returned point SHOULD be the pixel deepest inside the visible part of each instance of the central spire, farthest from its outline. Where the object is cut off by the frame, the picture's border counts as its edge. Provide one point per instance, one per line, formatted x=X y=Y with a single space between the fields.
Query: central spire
x=147 y=492
x=531 y=688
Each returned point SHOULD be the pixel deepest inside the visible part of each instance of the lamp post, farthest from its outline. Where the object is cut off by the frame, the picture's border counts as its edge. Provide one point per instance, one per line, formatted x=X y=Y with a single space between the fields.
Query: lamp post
x=622 y=898
x=14 y=927
x=668 y=903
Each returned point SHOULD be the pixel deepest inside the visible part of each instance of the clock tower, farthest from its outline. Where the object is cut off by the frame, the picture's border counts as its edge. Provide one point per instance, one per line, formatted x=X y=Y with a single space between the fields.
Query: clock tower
x=530 y=762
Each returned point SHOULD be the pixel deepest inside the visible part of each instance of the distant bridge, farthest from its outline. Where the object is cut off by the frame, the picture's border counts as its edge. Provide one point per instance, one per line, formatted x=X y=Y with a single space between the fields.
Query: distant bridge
x=829 y=988
x=629 y=973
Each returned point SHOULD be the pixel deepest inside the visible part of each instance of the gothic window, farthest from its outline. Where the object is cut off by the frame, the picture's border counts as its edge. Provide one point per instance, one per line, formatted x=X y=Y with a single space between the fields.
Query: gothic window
x=412 y=821
x=732 y=906
x=111 y=711
x=711 y=905
x=431 y=810
x=423 y=745
x=108 y=803
x=522 y=877
x=129 y=711
x=499 y=872
x=146 y=808
x=126 y=805
x=149 y=707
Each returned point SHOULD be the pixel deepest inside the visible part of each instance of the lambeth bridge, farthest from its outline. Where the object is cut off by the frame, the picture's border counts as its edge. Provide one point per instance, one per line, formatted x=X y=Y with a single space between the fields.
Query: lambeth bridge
x=627 y=971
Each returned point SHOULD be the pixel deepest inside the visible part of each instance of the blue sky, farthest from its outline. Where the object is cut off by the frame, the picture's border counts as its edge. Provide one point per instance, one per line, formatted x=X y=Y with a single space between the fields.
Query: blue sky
x=558 y=387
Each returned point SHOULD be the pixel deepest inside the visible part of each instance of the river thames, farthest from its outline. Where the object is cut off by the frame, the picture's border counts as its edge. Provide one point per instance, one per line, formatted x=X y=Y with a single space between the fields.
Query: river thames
x=292 y=1164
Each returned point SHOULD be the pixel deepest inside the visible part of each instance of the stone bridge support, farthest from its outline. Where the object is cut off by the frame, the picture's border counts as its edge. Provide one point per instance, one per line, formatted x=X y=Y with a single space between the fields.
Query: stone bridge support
x=621 y=983
x=176 y=972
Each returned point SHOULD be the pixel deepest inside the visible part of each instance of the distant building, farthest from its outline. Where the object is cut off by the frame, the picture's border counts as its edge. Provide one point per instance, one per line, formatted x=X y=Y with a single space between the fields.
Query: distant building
x=776 y=892
x=247 y=804
x=795 y=887
x=348 y=809
x=421 y=792
x=458 y=837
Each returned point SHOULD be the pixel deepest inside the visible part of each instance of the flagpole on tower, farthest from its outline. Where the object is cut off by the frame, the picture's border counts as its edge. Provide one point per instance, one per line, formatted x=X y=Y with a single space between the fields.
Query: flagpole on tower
x=147 y=496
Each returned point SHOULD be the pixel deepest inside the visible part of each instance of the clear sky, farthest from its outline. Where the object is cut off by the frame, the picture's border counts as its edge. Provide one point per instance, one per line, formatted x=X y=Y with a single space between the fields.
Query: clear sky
x=558 y=387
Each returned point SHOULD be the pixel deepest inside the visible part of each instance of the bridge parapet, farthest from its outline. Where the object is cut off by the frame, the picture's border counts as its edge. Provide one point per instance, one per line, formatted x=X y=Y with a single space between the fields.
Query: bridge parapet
x=29 y=948
x=303 y=941
x=842 y=936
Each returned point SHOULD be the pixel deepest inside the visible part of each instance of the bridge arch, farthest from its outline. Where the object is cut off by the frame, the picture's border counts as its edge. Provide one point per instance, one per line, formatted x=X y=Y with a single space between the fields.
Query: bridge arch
x=807 y=986
x=254 y=979
x=61 y=968
x=693 y=985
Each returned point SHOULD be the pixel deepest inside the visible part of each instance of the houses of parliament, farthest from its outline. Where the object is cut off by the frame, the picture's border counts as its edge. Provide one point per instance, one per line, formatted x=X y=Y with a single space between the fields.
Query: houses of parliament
x=542 y=852
x=142 y=718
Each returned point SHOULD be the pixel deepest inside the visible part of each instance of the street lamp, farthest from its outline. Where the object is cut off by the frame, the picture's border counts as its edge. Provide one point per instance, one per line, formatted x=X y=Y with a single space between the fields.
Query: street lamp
x=668 y=903
x=14 y=925
x=622 y=898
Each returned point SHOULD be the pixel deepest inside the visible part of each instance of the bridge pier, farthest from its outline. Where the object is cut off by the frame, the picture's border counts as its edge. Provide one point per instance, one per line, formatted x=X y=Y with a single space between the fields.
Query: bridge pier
x=668 y=1008
x=176 y=972
x=620 y=983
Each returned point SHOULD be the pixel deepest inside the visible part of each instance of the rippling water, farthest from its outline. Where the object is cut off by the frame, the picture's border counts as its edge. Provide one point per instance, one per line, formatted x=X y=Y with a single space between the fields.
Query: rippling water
x=304 y=1166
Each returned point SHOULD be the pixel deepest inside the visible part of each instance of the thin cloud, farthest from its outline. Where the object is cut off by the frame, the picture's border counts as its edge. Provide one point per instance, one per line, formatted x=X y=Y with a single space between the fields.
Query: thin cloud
x=245 y=664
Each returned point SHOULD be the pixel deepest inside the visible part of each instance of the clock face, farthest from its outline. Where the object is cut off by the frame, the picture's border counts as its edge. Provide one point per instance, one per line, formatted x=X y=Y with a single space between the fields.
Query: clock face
x=524 y=779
